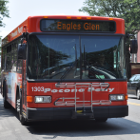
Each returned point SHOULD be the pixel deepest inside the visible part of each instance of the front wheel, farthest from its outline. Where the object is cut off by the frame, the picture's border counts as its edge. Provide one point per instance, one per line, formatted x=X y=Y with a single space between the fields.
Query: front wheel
x=101 y=119
x=19 y=111
x=138 y=94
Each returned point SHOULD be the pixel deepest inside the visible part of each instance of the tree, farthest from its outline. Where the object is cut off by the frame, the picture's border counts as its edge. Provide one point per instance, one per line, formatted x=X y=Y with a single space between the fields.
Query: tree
x=129 y=10
x=126 y=9
x=3 y=11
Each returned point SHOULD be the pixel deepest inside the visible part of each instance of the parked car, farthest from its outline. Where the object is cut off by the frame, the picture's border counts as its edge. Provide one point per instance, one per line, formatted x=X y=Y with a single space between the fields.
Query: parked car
x=133 y=85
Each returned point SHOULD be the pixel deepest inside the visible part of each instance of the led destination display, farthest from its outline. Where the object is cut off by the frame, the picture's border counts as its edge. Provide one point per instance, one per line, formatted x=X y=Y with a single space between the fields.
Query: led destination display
x=76 y=25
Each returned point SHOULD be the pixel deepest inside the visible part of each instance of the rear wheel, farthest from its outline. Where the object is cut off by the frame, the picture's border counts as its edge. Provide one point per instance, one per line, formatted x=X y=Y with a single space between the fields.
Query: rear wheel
x=19 y=110
x=101 y=119
x=138 y=94
x=5 y=103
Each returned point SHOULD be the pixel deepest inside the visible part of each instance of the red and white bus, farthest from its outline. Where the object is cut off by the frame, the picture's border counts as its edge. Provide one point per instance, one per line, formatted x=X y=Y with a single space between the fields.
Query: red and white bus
x=65 y=67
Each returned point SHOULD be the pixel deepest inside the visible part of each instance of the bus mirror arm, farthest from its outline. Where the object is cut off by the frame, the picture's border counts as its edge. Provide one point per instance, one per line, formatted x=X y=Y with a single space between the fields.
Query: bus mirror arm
x=132 y=41
x=133 y=46
x=22 y=51
x=25 y=35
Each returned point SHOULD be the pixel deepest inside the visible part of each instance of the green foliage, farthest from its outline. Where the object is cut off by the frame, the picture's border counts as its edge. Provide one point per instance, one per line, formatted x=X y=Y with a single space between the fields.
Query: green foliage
x=0 y=46
x=3 y=11
x=126 y=9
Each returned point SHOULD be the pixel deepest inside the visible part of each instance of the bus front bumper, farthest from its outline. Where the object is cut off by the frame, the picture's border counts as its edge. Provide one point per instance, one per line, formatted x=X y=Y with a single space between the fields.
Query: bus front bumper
x=40 y=114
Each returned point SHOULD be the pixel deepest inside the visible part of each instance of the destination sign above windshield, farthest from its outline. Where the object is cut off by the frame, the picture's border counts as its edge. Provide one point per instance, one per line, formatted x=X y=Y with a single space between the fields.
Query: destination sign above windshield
x=77 y=25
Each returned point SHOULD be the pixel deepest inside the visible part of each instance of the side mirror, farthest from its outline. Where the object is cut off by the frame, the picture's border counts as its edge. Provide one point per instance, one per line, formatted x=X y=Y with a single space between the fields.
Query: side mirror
x=22 y=51
x=133 y=46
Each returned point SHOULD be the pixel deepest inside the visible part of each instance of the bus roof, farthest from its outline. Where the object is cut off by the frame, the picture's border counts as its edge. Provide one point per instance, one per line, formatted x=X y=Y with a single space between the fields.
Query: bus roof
x=32 y=24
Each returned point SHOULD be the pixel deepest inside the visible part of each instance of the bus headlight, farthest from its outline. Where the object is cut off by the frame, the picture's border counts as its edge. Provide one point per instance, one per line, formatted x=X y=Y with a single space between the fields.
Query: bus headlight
x=43 y=99
x=116 y=97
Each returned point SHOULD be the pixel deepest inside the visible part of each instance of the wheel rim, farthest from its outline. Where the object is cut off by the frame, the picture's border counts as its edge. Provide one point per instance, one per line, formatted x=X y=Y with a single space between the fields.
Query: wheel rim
x=138 y=94
x=18 y=108
x=18 y=105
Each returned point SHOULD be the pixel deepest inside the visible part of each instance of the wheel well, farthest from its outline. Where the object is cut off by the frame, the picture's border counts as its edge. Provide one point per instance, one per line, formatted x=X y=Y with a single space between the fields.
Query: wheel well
x=17 y=92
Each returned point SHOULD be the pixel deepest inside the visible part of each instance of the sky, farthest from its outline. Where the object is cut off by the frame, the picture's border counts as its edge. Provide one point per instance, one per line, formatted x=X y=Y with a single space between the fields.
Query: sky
x=19 y=10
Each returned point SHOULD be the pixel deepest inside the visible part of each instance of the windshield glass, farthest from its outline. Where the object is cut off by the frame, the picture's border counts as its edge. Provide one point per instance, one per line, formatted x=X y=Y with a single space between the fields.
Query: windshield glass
x=75 y=57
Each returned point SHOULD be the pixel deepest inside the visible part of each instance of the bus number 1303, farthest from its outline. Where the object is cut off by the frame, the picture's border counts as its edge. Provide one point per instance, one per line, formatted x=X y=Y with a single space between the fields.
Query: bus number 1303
x=35 y=89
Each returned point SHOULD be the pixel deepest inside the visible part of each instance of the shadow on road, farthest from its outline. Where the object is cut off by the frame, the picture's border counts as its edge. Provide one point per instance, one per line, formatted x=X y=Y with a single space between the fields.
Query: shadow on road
x=132 y=97
x=6 y=112
x=54 y=129
x=74 y=128
x=135 y=98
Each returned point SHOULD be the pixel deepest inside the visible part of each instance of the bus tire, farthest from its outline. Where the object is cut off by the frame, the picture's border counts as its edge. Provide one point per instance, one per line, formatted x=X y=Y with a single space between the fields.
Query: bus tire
x=101 y=119
x=5 y=103
x=19 y=110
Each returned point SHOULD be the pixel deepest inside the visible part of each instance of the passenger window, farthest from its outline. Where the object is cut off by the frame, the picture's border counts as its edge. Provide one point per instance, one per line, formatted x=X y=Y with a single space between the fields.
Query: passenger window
x=14 y=62
x=8 y=63
x=3 y=58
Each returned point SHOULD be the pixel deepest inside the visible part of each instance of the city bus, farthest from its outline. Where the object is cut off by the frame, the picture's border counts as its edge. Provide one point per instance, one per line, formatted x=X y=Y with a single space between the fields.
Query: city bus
x=65 y=67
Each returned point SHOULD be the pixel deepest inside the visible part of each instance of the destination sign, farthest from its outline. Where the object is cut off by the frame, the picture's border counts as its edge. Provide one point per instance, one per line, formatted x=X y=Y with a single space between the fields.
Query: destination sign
x=77 y=25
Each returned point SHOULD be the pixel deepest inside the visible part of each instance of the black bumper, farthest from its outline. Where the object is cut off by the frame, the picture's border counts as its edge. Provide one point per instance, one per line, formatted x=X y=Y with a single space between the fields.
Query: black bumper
x=37 y=114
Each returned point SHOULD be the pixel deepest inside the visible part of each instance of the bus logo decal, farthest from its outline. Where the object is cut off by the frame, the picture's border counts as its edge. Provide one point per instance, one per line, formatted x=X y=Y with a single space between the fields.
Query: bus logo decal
x=101 y=89
x=20 y=29
x=45 y=90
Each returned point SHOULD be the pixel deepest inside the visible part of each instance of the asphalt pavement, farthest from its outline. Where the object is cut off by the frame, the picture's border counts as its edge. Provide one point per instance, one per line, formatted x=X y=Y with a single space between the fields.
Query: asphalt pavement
x=114 y=129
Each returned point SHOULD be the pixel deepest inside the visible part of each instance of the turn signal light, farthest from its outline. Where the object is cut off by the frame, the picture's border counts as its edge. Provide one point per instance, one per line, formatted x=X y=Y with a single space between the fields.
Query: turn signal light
x=29 y=99
x=126 y=97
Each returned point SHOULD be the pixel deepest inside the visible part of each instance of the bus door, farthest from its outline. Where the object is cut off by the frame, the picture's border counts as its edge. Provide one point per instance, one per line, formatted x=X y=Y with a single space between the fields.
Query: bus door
x=22 y=70
x=8 y=77
x=24 y=84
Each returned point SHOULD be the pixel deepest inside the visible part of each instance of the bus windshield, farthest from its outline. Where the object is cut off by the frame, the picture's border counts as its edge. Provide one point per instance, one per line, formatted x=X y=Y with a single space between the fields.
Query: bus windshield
x=76 y=57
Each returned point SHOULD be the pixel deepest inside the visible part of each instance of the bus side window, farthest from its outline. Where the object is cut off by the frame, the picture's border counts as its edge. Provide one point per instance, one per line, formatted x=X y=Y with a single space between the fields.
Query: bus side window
x=3 y=58
x=14 y=64
x=19 y=67
x=8 y=63
x=14 y=57
x=8 y=58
